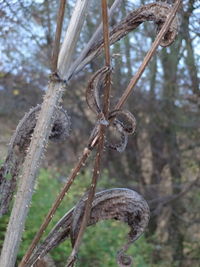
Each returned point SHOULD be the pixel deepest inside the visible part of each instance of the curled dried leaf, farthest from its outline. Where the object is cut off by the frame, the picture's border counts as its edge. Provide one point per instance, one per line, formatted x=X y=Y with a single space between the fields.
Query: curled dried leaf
x=61 y=125
x=93 y=90
x=18 y=148
x=156 y=12
x=119 y=203
x=124 y=260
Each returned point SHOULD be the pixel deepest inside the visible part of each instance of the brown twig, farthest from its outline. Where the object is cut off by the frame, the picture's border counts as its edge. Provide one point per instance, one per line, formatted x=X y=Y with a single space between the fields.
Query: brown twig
x=107 y=57
x=55 y=205
x=56 y=45
x=102 y=128
x=88 y=206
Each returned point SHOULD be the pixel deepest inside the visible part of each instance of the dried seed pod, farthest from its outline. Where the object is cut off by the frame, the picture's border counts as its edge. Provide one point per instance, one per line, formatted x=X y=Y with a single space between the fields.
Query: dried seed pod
x=119 y=203
x=61 y=125
x=25 y=128
x=93 y=90
x=126 y=119
x=125 y=123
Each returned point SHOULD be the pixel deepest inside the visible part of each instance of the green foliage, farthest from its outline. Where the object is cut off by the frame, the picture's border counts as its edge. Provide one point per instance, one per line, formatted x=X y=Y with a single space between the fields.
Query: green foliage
x=102 y=241
x=3 y=223
x=8 y=176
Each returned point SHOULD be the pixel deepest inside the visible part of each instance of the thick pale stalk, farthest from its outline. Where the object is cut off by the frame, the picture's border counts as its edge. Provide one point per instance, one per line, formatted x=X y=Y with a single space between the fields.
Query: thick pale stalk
x=37 y=145
x=27 y=179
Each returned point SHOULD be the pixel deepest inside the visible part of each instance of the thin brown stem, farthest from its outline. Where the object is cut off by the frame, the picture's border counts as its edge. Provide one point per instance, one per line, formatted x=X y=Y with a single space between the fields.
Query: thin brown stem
x=106 y=32
x=148 y=56
x=102 y=128
x=54 y=207
x=107 y=57
x=88 y=205
x=56 y=45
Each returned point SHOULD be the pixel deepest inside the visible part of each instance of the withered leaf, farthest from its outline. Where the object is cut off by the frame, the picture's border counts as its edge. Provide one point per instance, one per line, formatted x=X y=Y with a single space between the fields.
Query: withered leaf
x=18 y=147
x=156 y=12
x=118 y=203
x=93 y=89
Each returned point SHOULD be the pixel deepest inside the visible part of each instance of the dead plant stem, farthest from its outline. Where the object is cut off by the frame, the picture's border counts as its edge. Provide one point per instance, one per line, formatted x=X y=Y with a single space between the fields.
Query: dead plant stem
x=56 y=45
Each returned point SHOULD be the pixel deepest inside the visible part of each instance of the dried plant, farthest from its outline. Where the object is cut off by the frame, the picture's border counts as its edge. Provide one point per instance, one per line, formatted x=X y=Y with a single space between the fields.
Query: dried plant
x=27 y=145
x=119 y=203
x=156 y=12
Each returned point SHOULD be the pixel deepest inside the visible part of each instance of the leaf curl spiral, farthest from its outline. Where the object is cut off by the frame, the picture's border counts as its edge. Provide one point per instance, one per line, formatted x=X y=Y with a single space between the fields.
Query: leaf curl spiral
x=118 y=203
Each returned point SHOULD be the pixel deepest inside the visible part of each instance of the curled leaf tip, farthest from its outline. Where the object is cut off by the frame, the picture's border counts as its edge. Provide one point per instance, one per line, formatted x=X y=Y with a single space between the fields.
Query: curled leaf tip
x=94 y=87
x=124 y=260
x=163 y=10
x=120 y=204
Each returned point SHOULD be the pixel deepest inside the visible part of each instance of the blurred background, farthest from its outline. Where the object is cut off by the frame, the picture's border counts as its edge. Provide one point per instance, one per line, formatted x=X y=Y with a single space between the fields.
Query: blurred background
x=162 y=158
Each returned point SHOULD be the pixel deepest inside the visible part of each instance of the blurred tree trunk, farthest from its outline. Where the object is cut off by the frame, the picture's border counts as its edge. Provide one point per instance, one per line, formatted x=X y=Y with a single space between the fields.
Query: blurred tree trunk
x=190 y=59
x=133 y=156
x=156 y=139
x=170 y=62
x=155 y=128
